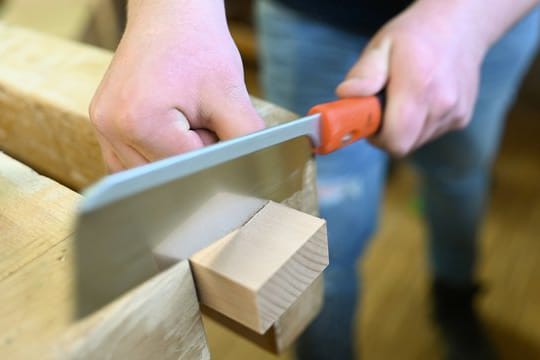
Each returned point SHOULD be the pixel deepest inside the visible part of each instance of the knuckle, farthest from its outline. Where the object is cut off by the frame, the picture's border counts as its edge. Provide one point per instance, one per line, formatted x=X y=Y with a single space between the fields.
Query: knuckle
x=99 y=116
x=125 y=122
x=462 y=118
x=130 y=124
x=461 y=122
x=399 y=148
x=446 y=100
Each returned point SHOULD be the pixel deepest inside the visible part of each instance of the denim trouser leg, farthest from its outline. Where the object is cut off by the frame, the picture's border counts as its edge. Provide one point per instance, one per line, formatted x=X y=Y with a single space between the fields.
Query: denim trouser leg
x=456 y=168
x=302 y=63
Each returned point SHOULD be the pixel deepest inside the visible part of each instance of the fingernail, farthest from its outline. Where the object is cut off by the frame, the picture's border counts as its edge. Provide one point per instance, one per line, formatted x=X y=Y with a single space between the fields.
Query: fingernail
x=182 y=120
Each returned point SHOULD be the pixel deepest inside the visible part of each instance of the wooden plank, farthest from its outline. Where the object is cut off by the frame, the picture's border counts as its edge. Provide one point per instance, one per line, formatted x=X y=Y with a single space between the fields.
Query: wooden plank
x=255 y=273
x=284 y=331
x=36 y=287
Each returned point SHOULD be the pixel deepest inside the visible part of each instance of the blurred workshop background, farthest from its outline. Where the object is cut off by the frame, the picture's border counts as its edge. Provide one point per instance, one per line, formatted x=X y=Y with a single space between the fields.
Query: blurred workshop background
x=395 y=319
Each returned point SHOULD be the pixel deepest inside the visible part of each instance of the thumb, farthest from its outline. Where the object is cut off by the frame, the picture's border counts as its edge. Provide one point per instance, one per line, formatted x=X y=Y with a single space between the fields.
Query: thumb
x=370 y=73
x=236 y=117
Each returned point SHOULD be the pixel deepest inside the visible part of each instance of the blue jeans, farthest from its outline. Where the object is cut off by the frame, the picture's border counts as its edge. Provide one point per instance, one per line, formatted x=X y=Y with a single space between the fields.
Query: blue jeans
x=302 y=62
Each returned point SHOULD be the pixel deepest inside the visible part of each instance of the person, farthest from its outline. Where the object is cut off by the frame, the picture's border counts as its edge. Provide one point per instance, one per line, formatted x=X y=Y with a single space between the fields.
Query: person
x=449 y=70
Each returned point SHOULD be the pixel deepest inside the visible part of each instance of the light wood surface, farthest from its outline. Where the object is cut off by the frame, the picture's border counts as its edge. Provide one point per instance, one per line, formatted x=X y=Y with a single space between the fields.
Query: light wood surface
x=256 y=272
x=158 y=320
x=37 y=287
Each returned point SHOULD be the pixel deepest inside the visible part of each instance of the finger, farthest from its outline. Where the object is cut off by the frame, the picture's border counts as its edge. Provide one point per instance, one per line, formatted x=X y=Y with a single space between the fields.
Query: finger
x=434 y=127
x=112 y=162
x=404 y=117
x=234 y=116
x=207 y=137
x=402 y=126
x=172 y=137
x=129 y=156
x=370 y=73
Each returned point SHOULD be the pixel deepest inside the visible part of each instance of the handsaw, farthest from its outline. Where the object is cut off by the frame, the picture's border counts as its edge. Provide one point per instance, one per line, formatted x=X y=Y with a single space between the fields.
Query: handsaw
x=126 y=219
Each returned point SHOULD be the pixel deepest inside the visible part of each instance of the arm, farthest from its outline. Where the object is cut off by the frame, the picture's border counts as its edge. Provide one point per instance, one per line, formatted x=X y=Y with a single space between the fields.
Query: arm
x=175 y=84
x=429 y=59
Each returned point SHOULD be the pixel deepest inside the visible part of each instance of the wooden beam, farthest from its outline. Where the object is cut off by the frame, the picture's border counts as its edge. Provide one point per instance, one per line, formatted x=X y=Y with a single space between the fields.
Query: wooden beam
x=255 y=273
x=46 y=85
x=37 y=281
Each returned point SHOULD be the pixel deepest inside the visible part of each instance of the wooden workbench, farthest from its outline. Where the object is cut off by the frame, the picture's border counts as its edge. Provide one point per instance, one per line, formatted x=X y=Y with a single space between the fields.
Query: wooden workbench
x=45 y=88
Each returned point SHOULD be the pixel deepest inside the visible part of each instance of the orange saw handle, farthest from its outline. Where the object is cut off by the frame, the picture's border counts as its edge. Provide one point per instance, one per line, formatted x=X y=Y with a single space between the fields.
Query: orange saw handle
x=347 y=120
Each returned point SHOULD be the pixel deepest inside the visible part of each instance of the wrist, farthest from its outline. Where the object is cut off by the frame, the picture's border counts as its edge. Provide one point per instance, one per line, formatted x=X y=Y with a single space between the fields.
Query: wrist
x=171 y=16
x=455 y=22
x=482 y=22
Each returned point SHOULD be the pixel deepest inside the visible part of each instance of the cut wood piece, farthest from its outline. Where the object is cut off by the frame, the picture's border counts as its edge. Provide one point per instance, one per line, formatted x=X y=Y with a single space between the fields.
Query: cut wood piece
x=284 y=331
x=255 y=273
x=37 y=281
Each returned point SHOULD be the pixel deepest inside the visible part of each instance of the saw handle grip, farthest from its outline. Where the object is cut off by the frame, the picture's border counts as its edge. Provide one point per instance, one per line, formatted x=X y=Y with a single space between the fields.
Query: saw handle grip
x=345 y=121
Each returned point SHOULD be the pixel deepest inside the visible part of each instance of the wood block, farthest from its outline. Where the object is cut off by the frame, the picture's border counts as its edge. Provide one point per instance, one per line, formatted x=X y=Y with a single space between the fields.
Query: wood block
x=255 y=273
x=284 y=331
x=37 y=284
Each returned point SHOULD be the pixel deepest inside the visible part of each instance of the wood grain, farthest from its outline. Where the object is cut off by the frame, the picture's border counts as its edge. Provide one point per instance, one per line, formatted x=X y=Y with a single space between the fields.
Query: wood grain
x=255 y=273
x=36 y=286
x=159 y=319
x=277 y=339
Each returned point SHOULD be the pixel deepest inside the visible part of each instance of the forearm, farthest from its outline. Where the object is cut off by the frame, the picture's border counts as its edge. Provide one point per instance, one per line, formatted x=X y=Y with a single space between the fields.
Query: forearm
x=488 y=20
